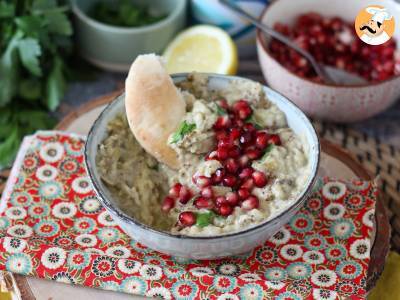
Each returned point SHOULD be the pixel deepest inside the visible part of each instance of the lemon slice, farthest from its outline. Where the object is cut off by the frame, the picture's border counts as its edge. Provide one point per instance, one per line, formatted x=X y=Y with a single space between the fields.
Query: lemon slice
x=202 y=48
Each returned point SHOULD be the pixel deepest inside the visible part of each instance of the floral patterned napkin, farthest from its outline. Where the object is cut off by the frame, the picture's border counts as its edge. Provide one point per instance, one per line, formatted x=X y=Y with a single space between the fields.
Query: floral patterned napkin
x=52 y=226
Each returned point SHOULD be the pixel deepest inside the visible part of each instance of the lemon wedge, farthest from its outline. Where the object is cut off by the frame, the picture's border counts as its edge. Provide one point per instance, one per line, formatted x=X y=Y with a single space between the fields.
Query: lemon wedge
x=202 y=48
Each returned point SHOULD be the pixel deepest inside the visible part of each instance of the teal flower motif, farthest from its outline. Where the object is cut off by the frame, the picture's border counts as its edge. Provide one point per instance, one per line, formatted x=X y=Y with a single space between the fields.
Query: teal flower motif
x=46 y=228
x=21 y=199
x=342 y=228
x=348 y=269
x=184 y=290
x=251 y=291
x=108 y=234
x=109 y=285
x=38 y=211
x=78 y=259
x=84 y=225
x=275 y=274
x=299 y=270
x=224 y=284
x=133 y=285
x=173 y=272
x=50 y=190
x=288 y=296
x=73 y=151
x=336 y=252
x=20 y=181
x=314 y=242
x=301 y=223
x=4 y=223
x=19 y=263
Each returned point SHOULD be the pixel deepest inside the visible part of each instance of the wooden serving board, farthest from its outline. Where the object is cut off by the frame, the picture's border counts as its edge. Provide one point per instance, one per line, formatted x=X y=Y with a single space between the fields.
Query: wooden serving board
x=335 y=162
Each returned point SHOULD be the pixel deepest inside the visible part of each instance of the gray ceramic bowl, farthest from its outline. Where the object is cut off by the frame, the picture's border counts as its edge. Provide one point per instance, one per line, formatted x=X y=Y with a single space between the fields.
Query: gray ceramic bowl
x=202 y=247
x=114 y=48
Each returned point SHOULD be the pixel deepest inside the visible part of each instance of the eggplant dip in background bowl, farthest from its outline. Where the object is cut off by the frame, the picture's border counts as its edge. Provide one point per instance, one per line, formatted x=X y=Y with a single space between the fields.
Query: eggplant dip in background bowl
x=248 y=160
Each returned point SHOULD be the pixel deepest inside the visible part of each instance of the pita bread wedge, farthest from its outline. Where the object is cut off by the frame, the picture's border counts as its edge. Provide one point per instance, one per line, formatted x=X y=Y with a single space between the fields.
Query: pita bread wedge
x=154 y=107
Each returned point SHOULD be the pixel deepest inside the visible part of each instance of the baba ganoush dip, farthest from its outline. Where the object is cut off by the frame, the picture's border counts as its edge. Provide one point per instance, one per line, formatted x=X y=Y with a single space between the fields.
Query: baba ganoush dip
x=241 y=164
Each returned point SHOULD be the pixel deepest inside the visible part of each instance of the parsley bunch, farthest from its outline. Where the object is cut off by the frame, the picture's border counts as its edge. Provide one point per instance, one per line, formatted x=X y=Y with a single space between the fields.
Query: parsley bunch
x=35 y=35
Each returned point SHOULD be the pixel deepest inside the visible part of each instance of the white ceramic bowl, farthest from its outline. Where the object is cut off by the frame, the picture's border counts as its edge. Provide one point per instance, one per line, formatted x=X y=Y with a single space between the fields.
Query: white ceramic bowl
x=201 y=247
x=327 y=102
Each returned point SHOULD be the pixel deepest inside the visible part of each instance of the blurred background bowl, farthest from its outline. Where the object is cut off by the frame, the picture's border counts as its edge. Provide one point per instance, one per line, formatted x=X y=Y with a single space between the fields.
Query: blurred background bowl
x=242 y=32
x=114 y=48
x=327 y=102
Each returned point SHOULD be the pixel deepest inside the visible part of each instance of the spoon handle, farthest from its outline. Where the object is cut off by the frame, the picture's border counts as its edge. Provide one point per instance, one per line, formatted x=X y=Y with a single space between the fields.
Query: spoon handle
x=264 y=28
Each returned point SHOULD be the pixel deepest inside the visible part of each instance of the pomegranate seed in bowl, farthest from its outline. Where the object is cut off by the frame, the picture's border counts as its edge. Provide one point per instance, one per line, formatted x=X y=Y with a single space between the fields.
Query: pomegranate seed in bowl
x=187 y=218
x=260 y=179
x=167 y=204
x=250 y=203
x=175 y=189
x=207 y=192
x=225 y=210
x=202 y=202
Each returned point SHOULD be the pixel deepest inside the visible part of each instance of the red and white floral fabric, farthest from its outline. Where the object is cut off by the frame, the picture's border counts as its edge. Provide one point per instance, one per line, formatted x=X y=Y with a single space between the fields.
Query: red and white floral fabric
x=52 y=226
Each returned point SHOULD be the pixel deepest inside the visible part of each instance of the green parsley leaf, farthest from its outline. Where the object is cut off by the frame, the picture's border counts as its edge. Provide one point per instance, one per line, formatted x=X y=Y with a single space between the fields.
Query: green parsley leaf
x=204 y=219
x=253 y=121
x=55 y=85
x=267 y=151
x=9 y=147
x=7 y=10
x=30 y=25
x=43 y=5
x=220 y=110
x=29 y=52
x=9 y=70
x=58 y=23
x=183 y=129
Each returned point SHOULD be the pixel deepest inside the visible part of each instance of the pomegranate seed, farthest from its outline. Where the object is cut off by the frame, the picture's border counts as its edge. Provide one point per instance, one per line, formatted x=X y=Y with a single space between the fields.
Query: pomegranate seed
x=248 y=184
x=238 y=123
x=245 y=138
x=250 y=203
x=223 y=103
x=232 y=198
x=229 y=180
x=187 y=218
x=242 y=109
x=225 y=210
x=234 y=133
x=202 y=202
x=243 y=193
x=201 y=181
x=222 y=153
x=253 y=153
x=221 y=134
x=221 y=200
x=207 y=192
x=249 y=127
x=222 y=122
x=261 y=139
x=184 y=195
x=275 y=139
x=243 y=161
x=231 y=165
x=175 y=189
x=234 y=152
x=167 y=204
x=225 y=143
x=218 y=176
x=260 y=179
x=246 y=173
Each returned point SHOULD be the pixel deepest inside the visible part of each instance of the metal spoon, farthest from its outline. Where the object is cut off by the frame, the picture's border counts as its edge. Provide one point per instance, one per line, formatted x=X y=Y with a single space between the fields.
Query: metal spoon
x=329 y=74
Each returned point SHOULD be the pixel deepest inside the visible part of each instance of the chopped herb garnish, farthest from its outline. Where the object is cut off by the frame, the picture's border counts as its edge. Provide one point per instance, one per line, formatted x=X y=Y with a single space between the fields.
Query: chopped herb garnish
x=253 y=121
x=183 y=129
x=204 y=219
x=220 y=110
x=267 y=151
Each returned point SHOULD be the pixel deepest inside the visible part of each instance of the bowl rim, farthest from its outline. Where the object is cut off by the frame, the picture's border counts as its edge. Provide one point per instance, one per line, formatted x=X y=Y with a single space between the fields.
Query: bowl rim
x=130 y=220
x=178 y=8
x=263 y=44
